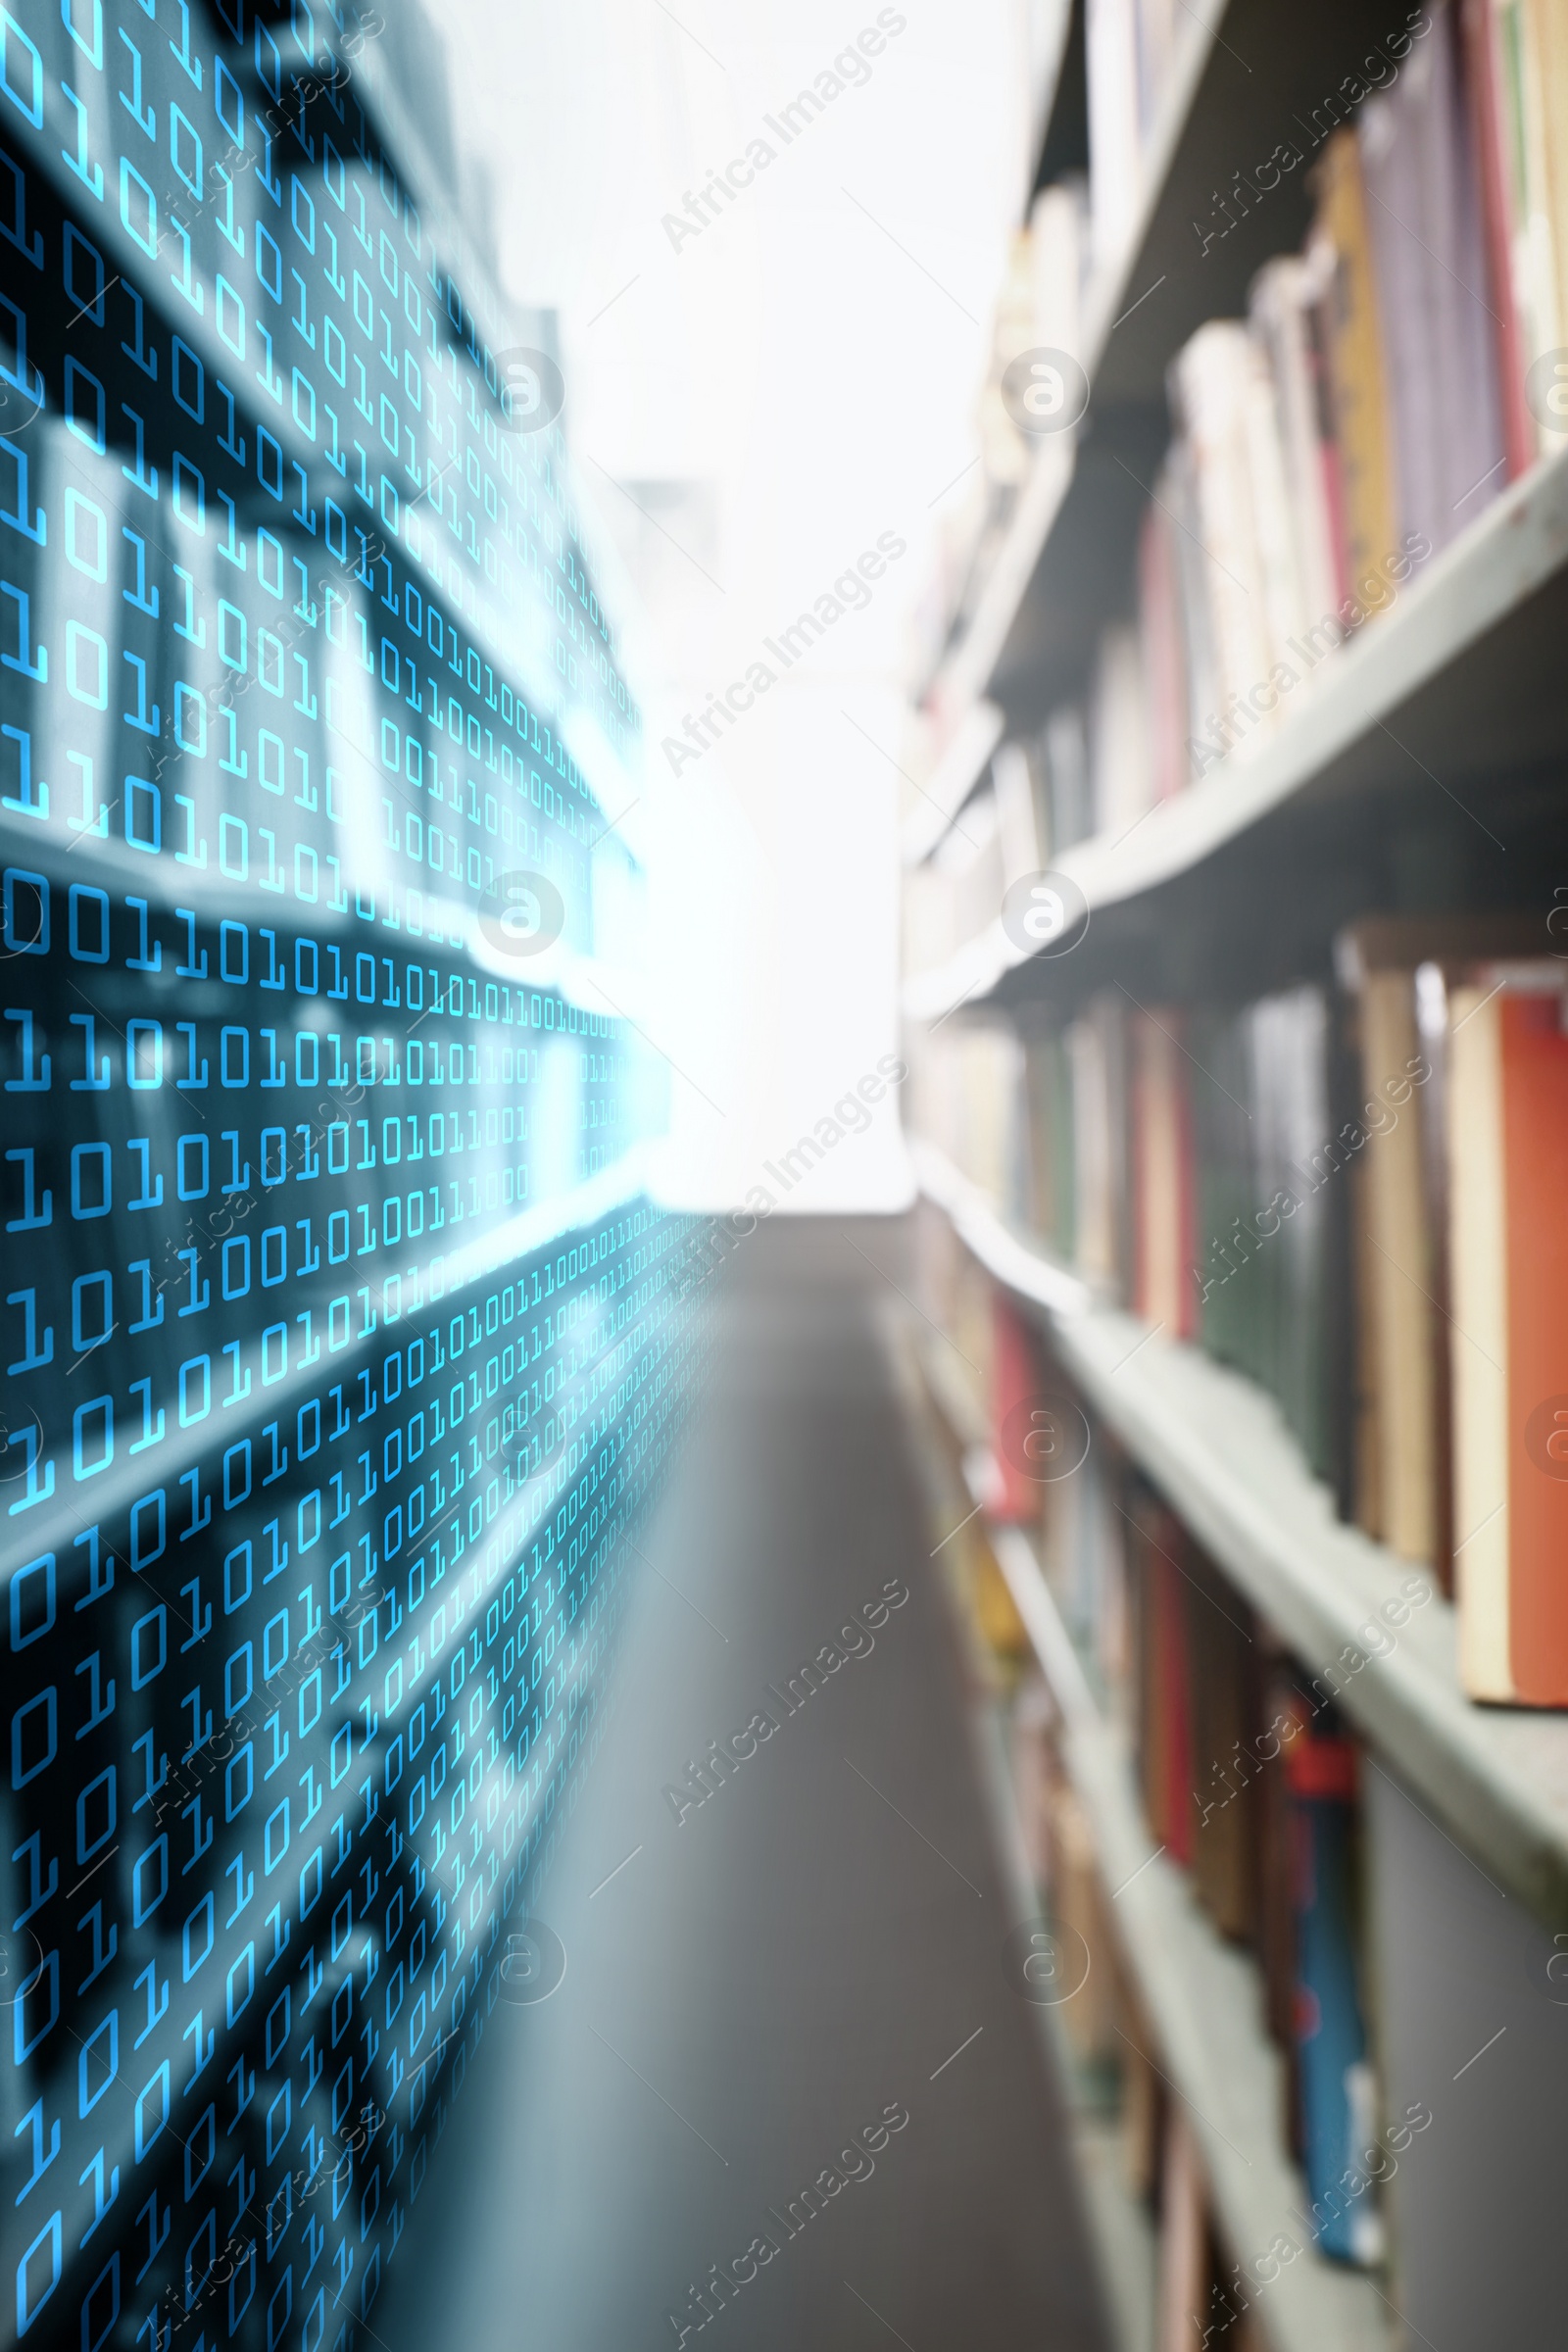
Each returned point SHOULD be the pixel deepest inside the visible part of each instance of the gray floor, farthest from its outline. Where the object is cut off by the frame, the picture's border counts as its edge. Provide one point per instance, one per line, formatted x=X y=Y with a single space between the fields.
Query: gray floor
x=806 y=1951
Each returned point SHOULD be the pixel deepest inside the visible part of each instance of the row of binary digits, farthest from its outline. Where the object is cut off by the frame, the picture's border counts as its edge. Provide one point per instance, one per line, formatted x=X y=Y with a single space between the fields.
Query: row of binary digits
x=343 y=1336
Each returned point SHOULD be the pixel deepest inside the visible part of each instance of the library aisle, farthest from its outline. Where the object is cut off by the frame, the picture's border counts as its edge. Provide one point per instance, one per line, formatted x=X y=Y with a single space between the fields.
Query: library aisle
x=812 y=1953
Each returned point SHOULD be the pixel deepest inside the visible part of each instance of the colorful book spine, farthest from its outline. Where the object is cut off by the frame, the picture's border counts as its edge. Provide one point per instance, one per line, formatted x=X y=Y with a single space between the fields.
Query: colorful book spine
x=1508 y=1243
x=1024 y=1435
x=1337 y=2105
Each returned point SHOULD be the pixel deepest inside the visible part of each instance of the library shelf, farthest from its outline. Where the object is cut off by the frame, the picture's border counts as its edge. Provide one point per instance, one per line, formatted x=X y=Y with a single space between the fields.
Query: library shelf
x=966 y=670
x=1120 y=2224
x=1242 y=78
x=1062 y=143
x=1201 y=1996
x=1455 y=684
x=1494 y=1780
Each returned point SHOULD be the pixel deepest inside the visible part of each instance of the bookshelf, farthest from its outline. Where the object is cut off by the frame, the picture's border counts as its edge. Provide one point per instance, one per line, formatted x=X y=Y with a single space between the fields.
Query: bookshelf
x=1241 y=71
x=963 y=763
x=1409 y=789
x=947 y=1413
x=1200 y=1993
x=1216 y=1446
x=1461 y=671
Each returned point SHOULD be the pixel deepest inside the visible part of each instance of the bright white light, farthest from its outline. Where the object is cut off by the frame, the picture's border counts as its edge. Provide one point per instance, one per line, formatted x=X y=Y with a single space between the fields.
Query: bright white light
x=776 y=393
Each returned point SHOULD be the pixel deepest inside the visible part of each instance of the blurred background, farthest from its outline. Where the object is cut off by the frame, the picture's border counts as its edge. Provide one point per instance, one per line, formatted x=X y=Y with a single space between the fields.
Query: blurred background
x=752 y=402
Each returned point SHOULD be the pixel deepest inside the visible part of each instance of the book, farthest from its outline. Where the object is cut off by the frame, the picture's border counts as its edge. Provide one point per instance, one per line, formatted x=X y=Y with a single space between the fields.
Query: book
x=1017 y=1391
x=1115 y=178
x=1532 y=234
x=969 y=1091
x=1508 y=1244
x=1184 y=2286
x=1065 y=747
x=1163 y=1193
x=1158 y=27
x=1022 y=850
x=1299 y=1074
x=1425 y=222
x=1095 y=1127
x=1273 y=1213
x=1164 y=1725
x=1142 y=2107
x=1121 y=764
x=1396 y=970
x=1223 y=1660
x=1544 y=75
x=1489 y=80
x=1084 y=1557
x=1356 y=365
x=1032 y=1729
x=969 y=862
x=1286 y=295
x=1048 y=1109
x=1165 y=653
x=1213 y=381
x=1079 y=1907
x=1337 y=2109
x=1177 y=493
x=1007 y=452
x=1403 y=1244
x=1275 y=1875
x=1058 y=229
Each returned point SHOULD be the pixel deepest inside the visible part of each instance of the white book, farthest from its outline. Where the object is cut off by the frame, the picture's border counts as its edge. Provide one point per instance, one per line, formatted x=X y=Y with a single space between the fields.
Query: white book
x=1213 y=377
x=1093 y=1186
x=1123 y=767
x=1270 y=517
x=1115 y=178
x=1283 y=297
x=1058 y=227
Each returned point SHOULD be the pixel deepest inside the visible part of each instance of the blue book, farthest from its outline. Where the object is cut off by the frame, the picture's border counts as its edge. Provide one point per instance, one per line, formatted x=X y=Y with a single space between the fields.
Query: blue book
x=1339 y=2122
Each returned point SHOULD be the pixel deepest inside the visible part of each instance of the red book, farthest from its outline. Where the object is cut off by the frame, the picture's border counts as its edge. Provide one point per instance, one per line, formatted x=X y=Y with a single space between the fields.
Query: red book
x=1508 y=1244
x=1166 y=1728
x=1024 y=1430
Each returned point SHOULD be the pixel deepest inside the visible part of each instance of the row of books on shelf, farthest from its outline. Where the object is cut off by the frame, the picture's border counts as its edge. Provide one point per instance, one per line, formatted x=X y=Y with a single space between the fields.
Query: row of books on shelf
x=1369 y=407
x=1249 y=1781
x=1387 y=384
x=1198 y=2299
x=1040 y=306
x=1445 y=209
x=1349 y=1191
x=1078 y=225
